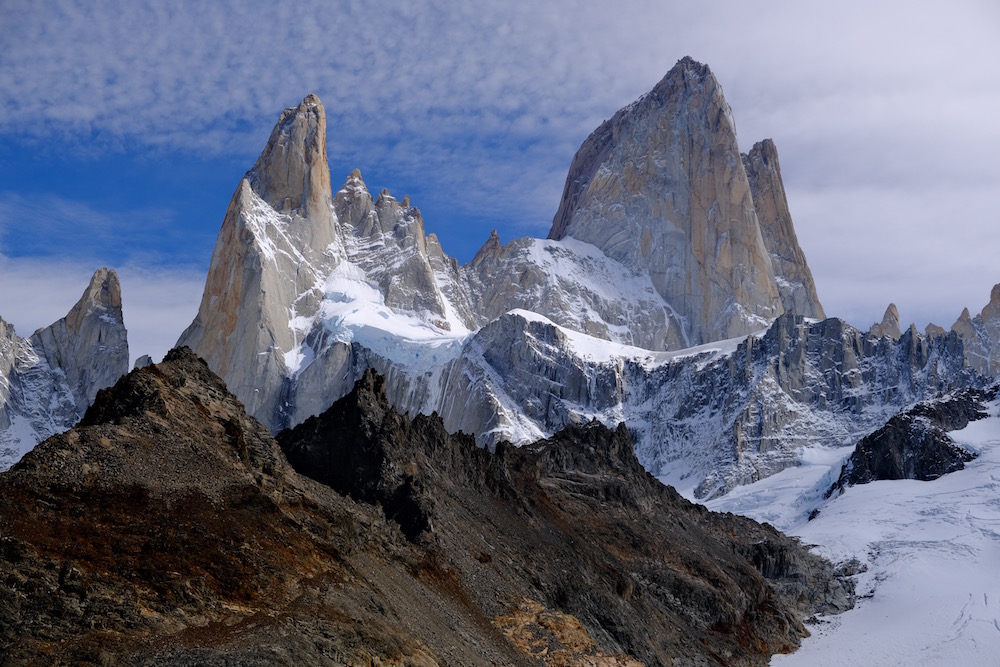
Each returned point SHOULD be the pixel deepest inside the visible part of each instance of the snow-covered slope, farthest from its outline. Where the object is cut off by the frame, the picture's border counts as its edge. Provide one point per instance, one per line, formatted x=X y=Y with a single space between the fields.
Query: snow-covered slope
x=309 y=287
x=48 y=380
x=930 y=552
x=575 y=285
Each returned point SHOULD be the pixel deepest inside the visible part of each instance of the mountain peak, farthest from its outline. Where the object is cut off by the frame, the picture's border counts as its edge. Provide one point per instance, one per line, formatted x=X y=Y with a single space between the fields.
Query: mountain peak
x=48 y=380
x=491 y=247
x=686 y=73
x=889 y=326
x=90 y=344
x=104 y=292
x=661 y=188
x=796 y=285
x=292 y=173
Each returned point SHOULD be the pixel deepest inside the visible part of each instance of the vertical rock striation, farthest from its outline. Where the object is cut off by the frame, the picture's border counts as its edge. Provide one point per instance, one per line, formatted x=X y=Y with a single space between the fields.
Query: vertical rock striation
x=661 y=187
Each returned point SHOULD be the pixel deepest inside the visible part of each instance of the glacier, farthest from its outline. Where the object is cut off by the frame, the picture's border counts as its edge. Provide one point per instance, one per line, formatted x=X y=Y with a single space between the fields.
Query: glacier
x=927 y=555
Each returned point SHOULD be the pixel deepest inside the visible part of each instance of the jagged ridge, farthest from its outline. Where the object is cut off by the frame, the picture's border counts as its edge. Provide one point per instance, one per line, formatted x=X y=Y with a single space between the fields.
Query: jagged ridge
x=167 y=528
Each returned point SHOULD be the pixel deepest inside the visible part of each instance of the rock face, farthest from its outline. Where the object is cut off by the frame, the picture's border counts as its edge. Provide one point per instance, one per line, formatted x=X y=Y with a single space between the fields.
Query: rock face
x=914 y=444
x=575 y=285
x=277 y=244
x=48 y=380
x=168 y=528
x=661 y=187
x=889 y=326
x=710 y=418
x=981 y=335
x=792 y=274
x=292 y=175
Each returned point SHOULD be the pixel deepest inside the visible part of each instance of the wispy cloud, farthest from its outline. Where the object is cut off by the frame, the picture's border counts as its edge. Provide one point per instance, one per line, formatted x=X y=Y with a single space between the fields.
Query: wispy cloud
x=56 y=226
x=479 y=107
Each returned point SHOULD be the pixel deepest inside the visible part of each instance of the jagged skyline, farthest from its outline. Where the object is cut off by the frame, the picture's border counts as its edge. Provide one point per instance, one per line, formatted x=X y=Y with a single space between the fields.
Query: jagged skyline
x=124 y=138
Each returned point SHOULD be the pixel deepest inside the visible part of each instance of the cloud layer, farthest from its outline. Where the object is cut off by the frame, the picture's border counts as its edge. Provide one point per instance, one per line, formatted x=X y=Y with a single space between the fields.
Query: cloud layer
x=883 y=113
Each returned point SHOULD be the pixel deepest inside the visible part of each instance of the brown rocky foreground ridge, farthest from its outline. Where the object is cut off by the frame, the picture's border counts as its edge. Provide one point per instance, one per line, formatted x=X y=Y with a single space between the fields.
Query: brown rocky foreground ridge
x=169 y=528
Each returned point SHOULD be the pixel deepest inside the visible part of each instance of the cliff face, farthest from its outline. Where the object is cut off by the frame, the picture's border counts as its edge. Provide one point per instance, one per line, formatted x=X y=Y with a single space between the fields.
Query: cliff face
x=661 y=187
x=168 y=528
x=794 y=279
x=981 y=335
x=278 y=241
x=48 y=380
x=709 y=418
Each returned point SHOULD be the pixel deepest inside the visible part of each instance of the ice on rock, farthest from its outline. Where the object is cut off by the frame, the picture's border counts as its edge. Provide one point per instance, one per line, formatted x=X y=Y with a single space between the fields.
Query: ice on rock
x=48 y=380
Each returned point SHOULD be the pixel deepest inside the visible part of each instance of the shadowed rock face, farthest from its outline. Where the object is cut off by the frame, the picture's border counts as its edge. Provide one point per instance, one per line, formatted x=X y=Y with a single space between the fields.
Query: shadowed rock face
x=572 y=523
x=915 y=444
x=168 y=528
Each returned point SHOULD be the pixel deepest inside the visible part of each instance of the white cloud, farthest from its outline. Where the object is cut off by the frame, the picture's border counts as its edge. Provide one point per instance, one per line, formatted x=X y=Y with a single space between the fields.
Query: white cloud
x=873 y=106
x=914 y=249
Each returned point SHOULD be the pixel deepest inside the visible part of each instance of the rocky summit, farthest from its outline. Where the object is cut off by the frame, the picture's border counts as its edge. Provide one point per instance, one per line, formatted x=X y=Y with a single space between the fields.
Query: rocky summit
x=48 y=379
x=981 y=335
x=662 y=188
x=169 y=528
x=670 y=256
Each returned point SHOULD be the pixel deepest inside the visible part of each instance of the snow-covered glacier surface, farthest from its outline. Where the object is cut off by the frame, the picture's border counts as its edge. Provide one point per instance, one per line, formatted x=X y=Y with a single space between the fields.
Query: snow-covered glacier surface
x=931 y=591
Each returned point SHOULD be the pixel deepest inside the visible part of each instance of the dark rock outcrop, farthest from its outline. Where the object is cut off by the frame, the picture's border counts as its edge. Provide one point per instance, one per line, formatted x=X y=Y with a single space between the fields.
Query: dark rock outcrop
x=915 y=444
x=575 y=525
x=168 y=528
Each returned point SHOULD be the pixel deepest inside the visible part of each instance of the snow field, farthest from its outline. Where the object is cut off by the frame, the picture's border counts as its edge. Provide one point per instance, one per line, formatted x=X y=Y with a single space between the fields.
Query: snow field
x=931 y=593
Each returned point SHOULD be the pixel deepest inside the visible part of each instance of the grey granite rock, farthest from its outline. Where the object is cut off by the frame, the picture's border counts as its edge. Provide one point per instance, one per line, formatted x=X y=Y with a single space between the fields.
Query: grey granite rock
x=661 y=188
x=981 y=335
x=48 y=380
x=791 y=272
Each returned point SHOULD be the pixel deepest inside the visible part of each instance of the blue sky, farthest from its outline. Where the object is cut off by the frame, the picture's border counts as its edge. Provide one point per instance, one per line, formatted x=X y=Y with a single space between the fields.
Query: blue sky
x=126 y=126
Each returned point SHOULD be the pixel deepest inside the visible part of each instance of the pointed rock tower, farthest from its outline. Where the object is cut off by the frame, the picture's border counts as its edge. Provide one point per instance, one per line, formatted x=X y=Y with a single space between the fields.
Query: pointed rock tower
x=47 y=381
x=90 y=344
x=278 y=242
x=795 y=281
x=290 y=255
x=981 y=336
x=661 y=187
x=889 y=326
